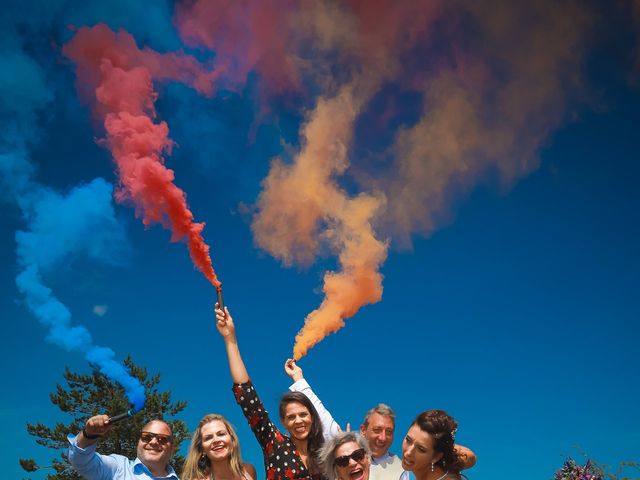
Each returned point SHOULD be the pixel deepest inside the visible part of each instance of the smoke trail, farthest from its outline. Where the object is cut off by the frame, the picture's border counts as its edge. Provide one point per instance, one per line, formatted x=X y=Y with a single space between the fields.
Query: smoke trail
x=290 y=230
x=323 y=212
x=246 y=36
x=59 y=227
x=82 y=222
x=487 y=111
x=494 y=84
x=117 y=78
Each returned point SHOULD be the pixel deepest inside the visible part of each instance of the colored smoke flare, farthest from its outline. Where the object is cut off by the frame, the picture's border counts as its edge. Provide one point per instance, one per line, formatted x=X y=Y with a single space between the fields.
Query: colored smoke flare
x=220 y=297
x=118 y=78
x=122 y=416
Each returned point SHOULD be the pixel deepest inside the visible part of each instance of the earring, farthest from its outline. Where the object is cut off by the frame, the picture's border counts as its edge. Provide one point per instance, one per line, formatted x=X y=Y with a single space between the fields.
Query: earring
x=432 y=468
x=444 y=465
x=203 y=462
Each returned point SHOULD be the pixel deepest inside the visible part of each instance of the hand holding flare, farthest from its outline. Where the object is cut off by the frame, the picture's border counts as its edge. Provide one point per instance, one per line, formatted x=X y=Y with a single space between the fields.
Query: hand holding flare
x=227 y=329
x=225 y=324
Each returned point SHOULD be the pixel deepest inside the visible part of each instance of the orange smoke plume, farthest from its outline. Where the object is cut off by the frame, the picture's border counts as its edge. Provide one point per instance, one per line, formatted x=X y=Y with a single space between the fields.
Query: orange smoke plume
x=494 y=84
x=487 y=112
x=120 y=78
x=369 y=41
x=290 y=229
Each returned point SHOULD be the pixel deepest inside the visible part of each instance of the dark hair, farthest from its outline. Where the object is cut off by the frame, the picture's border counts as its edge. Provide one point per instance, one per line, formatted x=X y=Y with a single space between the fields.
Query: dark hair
x=316 y=438
x=442 y=428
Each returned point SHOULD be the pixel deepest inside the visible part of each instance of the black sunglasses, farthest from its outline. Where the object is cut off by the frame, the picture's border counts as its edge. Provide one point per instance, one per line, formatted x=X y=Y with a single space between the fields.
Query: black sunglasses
x=357 y=455
x=161 y=438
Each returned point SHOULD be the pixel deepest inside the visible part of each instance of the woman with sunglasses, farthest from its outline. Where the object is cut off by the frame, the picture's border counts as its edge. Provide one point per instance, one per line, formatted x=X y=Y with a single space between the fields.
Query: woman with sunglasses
x=346 y=456
x=428 y=449
x=369 y=429
x=215 y=453
x=285 y=457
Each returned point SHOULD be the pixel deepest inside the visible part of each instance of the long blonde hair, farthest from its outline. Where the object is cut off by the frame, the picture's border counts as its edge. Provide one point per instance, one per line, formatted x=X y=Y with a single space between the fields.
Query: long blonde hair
x=198 y=466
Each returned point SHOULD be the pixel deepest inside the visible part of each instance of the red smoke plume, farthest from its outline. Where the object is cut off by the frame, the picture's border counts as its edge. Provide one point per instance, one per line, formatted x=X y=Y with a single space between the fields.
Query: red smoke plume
x=118 y=78
x=246 y=35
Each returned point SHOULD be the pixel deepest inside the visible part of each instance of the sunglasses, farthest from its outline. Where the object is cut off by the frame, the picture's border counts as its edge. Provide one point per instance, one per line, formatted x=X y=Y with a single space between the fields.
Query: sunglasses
x=357 y=456
x=161 y=438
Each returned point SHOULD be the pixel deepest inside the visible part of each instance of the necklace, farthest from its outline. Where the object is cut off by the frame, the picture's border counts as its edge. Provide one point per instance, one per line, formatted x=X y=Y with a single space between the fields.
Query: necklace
x=445 y=474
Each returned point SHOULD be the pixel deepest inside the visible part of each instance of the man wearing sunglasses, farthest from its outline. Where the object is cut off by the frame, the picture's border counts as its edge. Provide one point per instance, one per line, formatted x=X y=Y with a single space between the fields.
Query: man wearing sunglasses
x=155 y=448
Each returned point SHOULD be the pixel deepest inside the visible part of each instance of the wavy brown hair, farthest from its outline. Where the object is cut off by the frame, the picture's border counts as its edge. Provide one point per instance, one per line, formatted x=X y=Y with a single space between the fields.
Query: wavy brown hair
x=441 y=427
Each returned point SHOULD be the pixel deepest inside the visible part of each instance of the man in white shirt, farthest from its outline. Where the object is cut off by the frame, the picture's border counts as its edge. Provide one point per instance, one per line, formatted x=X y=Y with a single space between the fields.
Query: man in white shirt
x=378 y=428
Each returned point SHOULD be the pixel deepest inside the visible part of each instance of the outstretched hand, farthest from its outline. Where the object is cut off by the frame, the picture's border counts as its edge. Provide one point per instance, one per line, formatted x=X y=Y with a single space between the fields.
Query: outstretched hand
x=98 y=425
x=293 y=370
x=224 y=322
x=226 y=327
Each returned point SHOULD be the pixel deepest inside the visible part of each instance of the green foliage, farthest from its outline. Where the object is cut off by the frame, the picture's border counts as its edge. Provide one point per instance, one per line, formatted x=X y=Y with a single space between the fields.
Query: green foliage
x=29 y=465
x=87 y=395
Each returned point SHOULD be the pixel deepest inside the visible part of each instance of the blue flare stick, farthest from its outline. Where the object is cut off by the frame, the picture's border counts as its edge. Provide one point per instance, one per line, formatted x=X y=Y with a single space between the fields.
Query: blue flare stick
x=120 y=417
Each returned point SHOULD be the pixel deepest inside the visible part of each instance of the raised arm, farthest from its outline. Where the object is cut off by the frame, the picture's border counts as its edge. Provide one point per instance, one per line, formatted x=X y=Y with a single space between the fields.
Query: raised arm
x=467 y=456
x=82 y=451
x=227 y=329
x=329 y=425
x=96 y=427
x=243 y=390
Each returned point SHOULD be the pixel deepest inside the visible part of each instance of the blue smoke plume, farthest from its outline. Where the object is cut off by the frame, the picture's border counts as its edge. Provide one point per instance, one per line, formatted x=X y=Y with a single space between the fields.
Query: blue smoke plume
x=61 y=226
x=57 y=227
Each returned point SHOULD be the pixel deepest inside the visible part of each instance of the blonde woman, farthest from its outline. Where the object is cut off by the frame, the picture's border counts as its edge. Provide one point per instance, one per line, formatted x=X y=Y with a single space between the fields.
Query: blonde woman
x=214 y=453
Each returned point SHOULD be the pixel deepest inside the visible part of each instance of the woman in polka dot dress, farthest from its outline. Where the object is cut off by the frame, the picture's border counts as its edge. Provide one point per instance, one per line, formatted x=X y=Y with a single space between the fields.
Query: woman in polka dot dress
x=286 y=457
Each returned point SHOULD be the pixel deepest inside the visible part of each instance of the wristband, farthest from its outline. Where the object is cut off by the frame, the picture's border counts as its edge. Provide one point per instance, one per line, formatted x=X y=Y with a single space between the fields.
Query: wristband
x=89 y=437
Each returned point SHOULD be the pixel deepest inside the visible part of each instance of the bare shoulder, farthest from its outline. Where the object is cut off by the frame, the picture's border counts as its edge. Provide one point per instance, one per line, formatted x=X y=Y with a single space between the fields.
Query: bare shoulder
x=249 y=472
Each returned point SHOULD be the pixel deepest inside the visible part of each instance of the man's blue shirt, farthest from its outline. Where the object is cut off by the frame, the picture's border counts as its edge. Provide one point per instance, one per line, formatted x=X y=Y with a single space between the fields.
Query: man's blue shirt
x=94 y=466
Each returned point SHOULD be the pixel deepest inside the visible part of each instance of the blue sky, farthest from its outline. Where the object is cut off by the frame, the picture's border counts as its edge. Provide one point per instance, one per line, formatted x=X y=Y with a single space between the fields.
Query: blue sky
x=517 y=313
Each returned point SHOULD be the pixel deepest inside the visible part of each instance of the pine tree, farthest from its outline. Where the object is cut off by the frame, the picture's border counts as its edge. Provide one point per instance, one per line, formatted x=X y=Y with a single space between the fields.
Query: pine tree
x=94 y=394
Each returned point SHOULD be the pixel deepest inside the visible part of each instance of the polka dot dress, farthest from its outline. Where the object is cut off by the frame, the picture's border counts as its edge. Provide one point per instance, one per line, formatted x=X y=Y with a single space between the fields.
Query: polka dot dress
x=281 y=460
